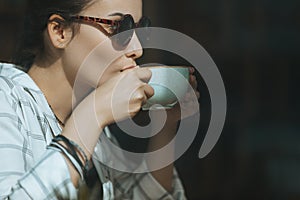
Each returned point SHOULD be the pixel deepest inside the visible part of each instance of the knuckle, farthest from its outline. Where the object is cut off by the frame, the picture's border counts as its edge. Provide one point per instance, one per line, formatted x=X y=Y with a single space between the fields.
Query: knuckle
x=139 y=97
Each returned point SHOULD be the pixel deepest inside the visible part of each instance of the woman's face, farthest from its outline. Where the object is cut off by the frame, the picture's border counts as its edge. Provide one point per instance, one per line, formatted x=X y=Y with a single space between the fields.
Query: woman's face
x=88 y=37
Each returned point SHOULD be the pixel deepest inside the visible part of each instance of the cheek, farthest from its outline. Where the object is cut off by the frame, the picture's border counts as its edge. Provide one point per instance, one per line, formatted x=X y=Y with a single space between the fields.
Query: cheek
x=106 y=74
x=76 y=56
x=80 y=47
x=91 y=58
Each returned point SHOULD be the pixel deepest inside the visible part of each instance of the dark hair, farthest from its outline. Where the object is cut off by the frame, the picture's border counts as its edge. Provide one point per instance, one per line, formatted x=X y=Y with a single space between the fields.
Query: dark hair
x=30 y=42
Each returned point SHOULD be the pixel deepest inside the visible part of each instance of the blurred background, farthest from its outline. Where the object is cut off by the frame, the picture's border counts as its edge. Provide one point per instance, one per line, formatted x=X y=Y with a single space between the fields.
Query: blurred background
x=254 y=44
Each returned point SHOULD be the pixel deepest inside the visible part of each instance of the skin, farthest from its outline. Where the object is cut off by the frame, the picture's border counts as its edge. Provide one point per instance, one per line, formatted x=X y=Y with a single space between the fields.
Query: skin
x=65 y=51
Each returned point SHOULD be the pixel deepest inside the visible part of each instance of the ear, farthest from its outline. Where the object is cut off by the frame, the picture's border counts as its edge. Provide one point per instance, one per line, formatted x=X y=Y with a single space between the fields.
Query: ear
x=59 y=34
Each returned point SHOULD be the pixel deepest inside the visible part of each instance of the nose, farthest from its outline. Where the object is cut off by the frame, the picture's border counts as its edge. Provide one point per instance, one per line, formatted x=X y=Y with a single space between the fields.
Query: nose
x=134 y=49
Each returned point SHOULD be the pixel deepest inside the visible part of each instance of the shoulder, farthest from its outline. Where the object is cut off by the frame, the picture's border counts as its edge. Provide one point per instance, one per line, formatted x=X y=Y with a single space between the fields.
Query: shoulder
x=13 y=78
x=15 y=85
x=8 y=74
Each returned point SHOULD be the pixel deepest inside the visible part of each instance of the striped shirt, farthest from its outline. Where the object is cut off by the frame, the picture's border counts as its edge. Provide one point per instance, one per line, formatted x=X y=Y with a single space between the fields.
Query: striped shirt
x=29 y=170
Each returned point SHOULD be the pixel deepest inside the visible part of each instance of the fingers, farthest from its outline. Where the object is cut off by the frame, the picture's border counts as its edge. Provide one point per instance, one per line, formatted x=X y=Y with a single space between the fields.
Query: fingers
x=144 y=90
x=191 y=70
x=143 y=74
x=143 y=93
x=148 y=90
x=192 y=78
x=193 y=81
x=139 y=96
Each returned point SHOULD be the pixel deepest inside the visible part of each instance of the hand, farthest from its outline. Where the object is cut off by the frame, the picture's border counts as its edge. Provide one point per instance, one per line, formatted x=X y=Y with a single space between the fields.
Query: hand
x=189 y=105
x=122 y=96
x=186 y=107
x=118 y=98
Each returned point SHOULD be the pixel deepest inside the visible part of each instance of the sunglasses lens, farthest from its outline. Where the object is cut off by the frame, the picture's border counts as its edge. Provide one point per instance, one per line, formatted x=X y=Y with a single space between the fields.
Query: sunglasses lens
x=143 y=32
x=125 y=30
x=126 y=23
x=144 y=22
x=123 y=39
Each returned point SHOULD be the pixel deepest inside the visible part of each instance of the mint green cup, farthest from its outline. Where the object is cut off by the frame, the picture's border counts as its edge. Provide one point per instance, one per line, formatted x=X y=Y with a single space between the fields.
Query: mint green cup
x=170 y=84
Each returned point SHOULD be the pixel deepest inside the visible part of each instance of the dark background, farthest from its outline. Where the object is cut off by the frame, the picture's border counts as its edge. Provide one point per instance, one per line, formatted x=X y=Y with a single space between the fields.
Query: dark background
x=255 y=45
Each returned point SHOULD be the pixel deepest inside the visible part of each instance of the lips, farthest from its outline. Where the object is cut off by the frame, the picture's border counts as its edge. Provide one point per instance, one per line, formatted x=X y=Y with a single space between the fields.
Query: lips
x=128 y=67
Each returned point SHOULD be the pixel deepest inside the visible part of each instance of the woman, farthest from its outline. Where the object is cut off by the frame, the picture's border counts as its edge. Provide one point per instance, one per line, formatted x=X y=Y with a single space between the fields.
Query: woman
x=46 y=141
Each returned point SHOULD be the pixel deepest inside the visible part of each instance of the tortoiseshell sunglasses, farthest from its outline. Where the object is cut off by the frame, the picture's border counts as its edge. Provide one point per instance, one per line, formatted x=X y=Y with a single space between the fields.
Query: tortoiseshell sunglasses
x=117 y=26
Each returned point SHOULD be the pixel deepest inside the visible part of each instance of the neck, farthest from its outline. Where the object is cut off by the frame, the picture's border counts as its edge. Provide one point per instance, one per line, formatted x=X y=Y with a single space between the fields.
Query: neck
x=53 y=83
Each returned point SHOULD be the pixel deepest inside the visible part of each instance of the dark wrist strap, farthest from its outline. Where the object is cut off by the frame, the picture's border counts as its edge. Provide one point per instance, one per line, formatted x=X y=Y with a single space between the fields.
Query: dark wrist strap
x=70 y=148
x=73 y=149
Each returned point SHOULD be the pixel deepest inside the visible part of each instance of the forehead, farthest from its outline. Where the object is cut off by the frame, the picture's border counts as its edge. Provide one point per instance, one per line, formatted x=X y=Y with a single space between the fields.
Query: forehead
x=104 y=8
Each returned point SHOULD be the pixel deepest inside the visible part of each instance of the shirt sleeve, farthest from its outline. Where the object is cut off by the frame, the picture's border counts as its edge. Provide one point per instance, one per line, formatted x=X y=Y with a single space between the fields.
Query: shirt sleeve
x=136 y=186
x=124 y=185
x=149 y=188
x=21 y=176
x=145 y=186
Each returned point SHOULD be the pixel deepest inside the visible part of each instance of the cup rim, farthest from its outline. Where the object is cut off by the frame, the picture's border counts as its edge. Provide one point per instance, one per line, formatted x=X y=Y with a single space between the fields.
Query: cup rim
x=166 y=66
